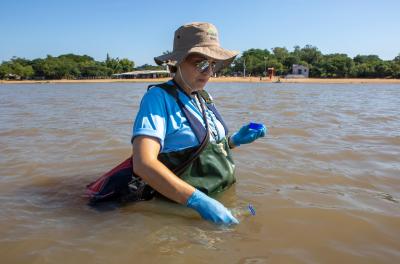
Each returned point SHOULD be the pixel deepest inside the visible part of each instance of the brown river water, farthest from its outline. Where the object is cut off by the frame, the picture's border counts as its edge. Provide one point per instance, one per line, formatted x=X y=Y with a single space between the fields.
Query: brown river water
x=325 y=181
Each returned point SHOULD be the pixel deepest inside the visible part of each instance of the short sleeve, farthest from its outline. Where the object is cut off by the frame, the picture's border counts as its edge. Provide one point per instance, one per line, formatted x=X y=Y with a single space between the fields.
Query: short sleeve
x=152 y=115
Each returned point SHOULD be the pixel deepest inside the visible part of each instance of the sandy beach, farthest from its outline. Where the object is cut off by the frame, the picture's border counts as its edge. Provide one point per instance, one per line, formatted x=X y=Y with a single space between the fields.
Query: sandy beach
x=218 y=79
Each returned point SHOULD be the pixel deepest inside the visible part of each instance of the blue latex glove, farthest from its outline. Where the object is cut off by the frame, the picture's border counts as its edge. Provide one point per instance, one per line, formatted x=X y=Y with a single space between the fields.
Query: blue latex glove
x=210 y=209
x=247 y=135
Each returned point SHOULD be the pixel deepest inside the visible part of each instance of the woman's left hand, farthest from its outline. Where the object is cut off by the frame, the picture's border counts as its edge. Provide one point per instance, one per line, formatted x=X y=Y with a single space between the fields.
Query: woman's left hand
x=247 y=135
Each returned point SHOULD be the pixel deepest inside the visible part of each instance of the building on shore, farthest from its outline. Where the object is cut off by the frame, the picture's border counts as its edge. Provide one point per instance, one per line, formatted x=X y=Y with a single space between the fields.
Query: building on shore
x=145 y=74
x=299 y=71
x=12 y=76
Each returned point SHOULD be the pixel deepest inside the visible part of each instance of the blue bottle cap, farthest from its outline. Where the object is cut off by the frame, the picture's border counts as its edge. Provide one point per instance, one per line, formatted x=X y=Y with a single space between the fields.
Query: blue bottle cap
x=256 y=126
x=252 y=210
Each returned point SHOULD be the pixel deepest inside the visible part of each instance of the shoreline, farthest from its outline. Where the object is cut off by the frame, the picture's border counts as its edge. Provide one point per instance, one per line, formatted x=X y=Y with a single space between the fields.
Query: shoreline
x=218 y=79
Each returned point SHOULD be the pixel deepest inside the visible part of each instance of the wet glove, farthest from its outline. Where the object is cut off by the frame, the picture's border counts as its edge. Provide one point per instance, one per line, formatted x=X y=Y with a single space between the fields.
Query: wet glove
x=247 y=135
x=210 y=209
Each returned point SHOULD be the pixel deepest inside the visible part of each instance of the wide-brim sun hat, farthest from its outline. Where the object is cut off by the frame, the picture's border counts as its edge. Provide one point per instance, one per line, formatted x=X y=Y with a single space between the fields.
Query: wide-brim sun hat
x=197 y=37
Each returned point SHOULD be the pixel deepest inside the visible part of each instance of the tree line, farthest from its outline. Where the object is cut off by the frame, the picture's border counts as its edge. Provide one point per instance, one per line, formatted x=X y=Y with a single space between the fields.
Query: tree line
x=255 y=61
x=67 y=66
x=320 y=65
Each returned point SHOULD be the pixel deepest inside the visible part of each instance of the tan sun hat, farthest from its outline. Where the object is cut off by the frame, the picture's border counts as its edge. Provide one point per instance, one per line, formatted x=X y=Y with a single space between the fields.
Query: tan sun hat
x=197 y=37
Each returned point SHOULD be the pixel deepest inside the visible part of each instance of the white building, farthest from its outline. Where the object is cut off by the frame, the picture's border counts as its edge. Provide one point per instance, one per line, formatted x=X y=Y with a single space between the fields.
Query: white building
x=298 y=69
x=142 y=74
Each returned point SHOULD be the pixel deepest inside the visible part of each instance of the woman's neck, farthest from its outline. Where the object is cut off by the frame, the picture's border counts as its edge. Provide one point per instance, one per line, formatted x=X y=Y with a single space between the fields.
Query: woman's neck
x=182 y=85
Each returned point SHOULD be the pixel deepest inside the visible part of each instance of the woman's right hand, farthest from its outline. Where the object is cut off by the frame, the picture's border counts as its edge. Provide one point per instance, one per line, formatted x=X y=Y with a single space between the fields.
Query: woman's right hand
x=210 y=209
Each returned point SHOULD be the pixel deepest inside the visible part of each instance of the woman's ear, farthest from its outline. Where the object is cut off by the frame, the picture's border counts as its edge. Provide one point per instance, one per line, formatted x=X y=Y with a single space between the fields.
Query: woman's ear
x=172 y=69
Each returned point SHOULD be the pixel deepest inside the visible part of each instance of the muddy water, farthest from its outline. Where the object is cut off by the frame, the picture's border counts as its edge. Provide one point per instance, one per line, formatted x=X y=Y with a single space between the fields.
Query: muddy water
x=325 y=182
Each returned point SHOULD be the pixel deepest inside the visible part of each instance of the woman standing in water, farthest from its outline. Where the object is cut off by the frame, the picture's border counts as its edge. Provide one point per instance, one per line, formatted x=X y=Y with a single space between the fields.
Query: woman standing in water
x=177 y=118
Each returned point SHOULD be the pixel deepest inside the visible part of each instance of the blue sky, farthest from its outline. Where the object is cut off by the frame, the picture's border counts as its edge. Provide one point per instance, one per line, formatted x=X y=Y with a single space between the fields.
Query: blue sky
x=141 y=30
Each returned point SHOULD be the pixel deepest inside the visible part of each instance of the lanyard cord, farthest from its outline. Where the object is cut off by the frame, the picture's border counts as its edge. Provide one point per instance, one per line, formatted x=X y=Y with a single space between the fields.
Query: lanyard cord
x=213 y=129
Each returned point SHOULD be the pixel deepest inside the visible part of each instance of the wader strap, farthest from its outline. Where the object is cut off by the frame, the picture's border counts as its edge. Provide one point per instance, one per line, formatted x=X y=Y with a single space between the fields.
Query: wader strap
x=195 y=124
x=203 y=135
x=203 y=145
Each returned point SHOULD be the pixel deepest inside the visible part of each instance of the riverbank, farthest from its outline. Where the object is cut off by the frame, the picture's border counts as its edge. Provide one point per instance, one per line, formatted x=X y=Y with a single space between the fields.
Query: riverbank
x=219 y=79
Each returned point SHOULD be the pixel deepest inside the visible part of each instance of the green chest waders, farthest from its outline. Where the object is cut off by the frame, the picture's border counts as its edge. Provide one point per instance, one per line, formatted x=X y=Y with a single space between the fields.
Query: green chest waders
x=213 y=169
x=211 y=172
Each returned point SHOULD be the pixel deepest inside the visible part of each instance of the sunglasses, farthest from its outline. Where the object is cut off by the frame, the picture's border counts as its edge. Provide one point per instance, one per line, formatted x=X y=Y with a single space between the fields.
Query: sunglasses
x=205 y=66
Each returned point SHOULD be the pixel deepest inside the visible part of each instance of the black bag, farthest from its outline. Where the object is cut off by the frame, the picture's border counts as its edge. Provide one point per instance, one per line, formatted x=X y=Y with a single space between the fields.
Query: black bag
x=121 y=184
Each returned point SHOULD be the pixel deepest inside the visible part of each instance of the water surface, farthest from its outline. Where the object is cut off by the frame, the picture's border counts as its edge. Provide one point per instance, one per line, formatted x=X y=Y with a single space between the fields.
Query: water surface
x=325 y=182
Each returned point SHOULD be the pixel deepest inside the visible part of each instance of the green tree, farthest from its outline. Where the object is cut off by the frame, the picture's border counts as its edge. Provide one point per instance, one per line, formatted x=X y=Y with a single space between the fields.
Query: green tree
x=149 y=67
x=126 y=65
x=280 y=53
x=289 y=61
x=16 y=66
x=333 y=66
x=370 y=66
x=370 y=59
x=5 y=70
x=309 y=54
x=395 y=65
x=255 y=60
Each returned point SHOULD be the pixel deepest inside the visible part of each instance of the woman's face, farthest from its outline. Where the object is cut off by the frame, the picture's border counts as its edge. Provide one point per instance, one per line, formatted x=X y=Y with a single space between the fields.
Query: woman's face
x=192 y=73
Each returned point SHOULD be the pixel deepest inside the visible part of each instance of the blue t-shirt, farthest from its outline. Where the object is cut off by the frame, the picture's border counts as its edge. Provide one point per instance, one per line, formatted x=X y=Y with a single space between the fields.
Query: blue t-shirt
x=159 y=116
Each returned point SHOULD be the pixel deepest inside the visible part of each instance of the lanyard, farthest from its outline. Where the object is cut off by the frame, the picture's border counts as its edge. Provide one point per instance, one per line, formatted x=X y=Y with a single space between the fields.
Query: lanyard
x=200 y=105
